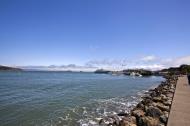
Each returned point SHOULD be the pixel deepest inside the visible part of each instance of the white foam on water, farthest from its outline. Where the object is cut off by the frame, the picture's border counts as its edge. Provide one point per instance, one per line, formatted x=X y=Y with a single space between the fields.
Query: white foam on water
x=107 y=107
x=92 y=122
x=93 y=111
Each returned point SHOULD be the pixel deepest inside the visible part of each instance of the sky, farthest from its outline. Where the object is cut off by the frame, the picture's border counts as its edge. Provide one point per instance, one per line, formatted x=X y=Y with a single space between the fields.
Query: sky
x=150 y=34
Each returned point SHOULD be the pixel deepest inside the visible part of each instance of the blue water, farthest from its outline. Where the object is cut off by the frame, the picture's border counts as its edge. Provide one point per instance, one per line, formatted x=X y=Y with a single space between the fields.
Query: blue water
x=66 y=98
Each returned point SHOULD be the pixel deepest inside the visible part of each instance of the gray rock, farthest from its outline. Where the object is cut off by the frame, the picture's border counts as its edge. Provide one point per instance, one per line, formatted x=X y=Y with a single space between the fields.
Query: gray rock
x=147 y=101
x=154 y=112
x=172 y=90
x=122 y=114
x=146 y=97
x=163 y=119
x=161 y=124
x=140 y=105
x=167 y=103
x=163 y=107
x=166 y=114
x=147 y=121
x=101 y=121
x=138 y=113
x=128 y=121
x=145 y=108
x=140 y=121
x=169 y=95
x=157 y=99
x=164 y=98
x=116 y=120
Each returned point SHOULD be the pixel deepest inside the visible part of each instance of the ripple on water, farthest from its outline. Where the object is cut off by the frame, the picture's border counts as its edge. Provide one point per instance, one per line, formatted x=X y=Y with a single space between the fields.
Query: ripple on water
x=51 y=98
x=94 y=110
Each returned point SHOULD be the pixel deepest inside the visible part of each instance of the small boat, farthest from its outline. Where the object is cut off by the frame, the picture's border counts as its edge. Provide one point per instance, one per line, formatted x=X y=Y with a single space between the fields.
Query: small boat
x=135 y=74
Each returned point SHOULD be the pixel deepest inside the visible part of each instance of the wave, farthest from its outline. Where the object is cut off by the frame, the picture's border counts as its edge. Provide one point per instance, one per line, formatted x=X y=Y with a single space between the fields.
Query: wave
x=91 y=112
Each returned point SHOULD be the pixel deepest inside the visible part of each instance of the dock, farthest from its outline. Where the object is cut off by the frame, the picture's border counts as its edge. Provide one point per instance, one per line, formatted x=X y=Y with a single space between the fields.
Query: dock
x=180 y=109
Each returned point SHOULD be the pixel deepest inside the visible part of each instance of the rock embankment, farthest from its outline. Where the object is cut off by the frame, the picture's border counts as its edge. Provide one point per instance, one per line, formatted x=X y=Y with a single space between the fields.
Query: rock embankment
x=153 y=110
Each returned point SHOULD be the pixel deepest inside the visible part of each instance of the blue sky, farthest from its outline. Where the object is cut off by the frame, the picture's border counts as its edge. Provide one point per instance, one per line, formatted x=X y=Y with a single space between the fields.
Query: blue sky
x=60 y=32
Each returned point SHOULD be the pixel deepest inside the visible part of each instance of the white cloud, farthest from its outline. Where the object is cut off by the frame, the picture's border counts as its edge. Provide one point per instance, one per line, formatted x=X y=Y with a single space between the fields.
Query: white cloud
x=147 y=62
x=183 y=60
x=108 y=63
x=72 y=67
x=176 y=61
x=149 y=67
x=148 y=58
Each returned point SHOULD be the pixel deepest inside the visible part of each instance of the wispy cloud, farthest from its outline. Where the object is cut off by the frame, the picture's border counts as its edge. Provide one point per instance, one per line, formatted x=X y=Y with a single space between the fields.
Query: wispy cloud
x=110 y=62
x=176 y=61
x=149 y=58
x=72 y=67
x=146 y=62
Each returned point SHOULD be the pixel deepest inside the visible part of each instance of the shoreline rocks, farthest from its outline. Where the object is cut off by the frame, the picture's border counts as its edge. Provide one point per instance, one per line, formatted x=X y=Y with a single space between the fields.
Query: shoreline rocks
x=153 y=110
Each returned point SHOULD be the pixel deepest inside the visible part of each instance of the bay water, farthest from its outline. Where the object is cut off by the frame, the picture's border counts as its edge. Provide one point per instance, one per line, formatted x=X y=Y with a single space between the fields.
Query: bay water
x=47 y=98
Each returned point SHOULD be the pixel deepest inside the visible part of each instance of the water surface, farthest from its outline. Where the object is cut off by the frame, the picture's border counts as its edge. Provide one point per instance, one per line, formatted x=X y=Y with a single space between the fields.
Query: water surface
x=66 y=98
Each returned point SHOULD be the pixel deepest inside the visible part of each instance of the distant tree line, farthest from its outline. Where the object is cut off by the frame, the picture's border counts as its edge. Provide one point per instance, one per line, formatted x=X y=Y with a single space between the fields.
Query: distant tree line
x=183 y=69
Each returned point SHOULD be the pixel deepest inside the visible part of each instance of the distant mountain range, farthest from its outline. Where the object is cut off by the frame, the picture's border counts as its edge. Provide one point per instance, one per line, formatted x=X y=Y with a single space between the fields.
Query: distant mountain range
x=70 y=67
x=183 y=69
x=6 y=68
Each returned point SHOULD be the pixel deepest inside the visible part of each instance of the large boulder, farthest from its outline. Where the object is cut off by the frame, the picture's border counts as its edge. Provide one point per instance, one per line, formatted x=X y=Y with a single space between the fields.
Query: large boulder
x=128 y=121
x=146 y=101
x=154 y=112
x=157 y=99
x=167 y=103
x=138 y=113
x=147 y=121
x=140 y=121
x=163 y=107
x=122 y=114
x=164 y=98
x=153 y=94
x=140 y=105
x=166 y=114
x=169 y=95
x=172 y=90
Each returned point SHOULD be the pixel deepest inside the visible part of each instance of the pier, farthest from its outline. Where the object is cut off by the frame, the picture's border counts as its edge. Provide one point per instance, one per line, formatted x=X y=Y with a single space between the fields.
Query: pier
x=180 y=109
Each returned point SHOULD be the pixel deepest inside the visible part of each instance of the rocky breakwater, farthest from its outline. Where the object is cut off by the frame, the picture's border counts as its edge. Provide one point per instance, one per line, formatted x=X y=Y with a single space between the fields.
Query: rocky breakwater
x=153 y=110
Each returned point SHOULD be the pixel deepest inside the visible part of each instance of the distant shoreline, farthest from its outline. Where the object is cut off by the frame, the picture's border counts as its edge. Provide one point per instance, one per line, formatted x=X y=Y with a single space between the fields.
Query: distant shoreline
x=6 y=68
x=183 y=69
